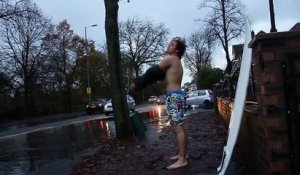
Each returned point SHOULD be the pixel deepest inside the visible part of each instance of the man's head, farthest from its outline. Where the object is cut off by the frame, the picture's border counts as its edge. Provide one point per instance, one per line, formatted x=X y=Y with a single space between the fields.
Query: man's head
x=177 y=46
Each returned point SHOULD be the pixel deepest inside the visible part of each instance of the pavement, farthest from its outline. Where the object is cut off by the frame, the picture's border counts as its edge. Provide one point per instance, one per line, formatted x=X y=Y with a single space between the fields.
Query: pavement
x=149 y=154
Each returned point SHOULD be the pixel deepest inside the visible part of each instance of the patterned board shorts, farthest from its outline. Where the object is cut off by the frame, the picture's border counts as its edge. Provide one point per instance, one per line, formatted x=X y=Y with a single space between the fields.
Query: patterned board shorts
x=175 y=108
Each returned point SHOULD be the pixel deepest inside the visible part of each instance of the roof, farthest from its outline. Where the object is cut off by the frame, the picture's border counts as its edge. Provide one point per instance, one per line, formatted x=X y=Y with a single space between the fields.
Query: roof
x=294 y=32
x=296 y=27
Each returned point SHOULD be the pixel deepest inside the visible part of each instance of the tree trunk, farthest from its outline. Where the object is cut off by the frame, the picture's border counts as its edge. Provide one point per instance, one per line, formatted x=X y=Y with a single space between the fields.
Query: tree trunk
x=228 y=69
x=27 y=99
x=28 y=95
x=122 y=120
x=68 y=98
x=136 y=69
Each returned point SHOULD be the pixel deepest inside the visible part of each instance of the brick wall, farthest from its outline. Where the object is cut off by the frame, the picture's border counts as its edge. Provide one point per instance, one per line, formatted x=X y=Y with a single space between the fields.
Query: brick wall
x=224 y=108
x=269 y=136
x=272 y=56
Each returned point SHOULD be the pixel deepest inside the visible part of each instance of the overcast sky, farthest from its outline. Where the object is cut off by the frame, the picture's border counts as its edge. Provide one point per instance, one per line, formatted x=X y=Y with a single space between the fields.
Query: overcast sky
x=178 y=15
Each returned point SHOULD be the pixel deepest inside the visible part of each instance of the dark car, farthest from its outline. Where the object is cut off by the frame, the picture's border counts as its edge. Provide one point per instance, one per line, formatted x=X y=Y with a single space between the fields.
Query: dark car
x=161 y=99
x=96 y=106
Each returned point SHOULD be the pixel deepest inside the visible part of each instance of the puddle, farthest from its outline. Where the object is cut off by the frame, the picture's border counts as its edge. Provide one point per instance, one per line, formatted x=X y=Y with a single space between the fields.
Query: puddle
x=29 y=152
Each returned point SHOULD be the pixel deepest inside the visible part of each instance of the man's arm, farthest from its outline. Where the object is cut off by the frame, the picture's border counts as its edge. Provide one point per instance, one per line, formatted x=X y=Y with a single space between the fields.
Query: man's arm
x=153 y=74
x=165 y=63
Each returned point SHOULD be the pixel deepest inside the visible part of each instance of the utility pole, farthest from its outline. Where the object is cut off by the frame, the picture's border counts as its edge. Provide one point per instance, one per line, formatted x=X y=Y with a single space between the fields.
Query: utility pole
x=272 y=15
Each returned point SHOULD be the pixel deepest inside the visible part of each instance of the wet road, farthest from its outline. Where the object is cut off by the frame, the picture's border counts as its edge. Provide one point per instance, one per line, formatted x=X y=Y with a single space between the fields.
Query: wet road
x=53 y=147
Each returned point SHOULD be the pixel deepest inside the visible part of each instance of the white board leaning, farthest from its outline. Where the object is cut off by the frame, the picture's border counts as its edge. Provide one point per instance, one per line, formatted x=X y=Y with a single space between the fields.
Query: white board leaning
x=239 y=103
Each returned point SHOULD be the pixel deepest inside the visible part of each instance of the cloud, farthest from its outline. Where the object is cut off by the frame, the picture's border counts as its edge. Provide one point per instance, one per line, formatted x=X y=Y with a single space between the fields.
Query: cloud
x=286 y=14
x=178 y=15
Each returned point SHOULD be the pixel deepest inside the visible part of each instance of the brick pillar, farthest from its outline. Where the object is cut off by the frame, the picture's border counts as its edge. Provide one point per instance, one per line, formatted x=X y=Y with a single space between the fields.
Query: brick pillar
x=276 y=58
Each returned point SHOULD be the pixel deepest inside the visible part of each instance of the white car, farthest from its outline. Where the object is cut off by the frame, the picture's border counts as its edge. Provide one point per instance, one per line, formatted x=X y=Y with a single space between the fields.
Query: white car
x=200 y=97
x=152 y=99
x=108 y=109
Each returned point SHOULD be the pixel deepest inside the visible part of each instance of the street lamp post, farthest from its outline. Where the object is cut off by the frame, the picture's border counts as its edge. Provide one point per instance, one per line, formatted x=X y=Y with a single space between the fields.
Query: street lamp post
x=88 y=89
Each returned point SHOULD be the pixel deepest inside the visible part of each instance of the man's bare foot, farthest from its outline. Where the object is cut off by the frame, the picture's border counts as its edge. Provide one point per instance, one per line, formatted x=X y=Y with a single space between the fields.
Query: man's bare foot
x=177 y=156
x=177 y=164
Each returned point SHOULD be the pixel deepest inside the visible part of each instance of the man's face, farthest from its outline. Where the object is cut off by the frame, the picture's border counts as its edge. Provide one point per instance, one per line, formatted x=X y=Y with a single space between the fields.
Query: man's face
x=172 y=48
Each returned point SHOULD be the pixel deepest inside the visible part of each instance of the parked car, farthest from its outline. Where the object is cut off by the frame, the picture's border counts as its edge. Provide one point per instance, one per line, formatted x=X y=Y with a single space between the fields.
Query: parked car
x=108 y=109
x=200 y=97
x=161 y=99
x=152 y=99
x=95 y=106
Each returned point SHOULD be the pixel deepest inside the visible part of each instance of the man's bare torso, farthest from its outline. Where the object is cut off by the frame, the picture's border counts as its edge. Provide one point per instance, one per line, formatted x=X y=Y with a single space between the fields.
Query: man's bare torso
x=174 y=73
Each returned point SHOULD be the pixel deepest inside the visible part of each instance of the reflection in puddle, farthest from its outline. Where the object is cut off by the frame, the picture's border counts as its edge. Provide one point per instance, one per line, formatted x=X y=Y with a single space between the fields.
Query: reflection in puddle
x=157 y=116
x=28 y=152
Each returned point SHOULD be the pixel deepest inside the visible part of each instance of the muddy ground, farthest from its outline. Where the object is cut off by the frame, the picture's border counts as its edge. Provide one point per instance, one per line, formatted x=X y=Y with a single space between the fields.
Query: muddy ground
x=150 y=155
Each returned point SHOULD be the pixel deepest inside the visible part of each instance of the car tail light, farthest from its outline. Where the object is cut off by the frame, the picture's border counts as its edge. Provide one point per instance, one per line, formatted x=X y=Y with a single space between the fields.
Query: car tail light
x=87 y=106
x=100 y=104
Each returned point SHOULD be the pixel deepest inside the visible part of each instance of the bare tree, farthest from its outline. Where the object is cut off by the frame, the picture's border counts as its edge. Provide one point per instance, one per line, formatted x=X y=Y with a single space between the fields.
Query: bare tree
x=142 y=42
x=199 y=50
x=8 y=9
x=22 y=48
x=62 y=59
x=123 y=123
x=226 y=22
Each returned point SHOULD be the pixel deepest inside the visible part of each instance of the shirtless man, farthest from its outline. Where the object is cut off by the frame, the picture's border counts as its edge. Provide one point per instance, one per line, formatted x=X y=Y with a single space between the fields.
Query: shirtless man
x=170 y=69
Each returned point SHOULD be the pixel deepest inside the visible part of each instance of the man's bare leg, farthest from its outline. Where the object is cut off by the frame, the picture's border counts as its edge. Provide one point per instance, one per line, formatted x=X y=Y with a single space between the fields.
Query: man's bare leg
x=181 y=138
x=177 y=156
